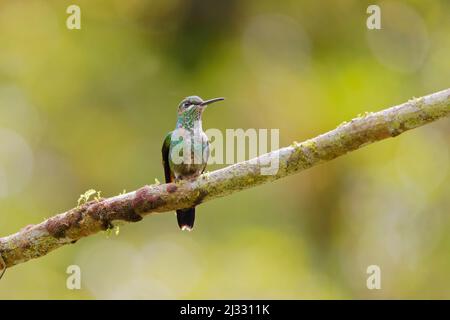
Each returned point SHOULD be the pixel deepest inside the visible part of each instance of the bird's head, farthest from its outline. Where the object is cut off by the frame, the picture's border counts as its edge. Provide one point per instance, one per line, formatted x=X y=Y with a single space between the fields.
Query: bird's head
x=193 y=106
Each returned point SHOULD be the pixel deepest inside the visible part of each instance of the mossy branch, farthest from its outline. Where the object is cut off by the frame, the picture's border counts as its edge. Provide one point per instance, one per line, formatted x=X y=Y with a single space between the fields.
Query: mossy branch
x=93 y=216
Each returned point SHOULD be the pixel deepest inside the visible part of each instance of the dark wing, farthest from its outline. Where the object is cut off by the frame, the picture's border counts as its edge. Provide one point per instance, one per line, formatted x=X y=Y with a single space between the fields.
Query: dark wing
x=165 y=158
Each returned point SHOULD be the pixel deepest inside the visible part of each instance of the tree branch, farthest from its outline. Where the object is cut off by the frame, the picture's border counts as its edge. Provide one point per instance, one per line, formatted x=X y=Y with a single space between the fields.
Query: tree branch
x=36 y=241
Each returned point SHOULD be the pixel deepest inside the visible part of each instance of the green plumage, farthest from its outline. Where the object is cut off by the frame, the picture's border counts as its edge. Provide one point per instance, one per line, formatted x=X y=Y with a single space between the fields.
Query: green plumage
x=185 y=150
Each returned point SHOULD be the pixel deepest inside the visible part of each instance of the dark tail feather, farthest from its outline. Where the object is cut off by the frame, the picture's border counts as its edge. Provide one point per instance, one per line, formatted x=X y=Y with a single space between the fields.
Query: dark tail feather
x=186 y=218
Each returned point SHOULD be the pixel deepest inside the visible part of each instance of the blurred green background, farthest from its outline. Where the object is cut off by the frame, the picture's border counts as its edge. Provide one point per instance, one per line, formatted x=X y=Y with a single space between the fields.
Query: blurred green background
x=89 y=108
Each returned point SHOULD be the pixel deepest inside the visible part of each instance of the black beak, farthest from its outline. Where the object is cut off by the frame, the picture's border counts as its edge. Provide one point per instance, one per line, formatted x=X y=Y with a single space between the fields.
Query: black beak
x=204 y=103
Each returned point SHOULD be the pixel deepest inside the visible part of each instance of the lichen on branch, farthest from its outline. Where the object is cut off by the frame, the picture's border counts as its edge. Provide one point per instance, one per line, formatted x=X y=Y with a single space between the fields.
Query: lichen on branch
x=90 y=217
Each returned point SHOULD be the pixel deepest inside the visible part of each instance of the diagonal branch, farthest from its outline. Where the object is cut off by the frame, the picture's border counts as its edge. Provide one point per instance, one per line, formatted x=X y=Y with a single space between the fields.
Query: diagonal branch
x=37 y=240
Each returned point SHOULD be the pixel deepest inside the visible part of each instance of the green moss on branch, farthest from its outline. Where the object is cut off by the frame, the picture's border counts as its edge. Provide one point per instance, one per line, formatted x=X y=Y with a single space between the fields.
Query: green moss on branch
x=90 y=217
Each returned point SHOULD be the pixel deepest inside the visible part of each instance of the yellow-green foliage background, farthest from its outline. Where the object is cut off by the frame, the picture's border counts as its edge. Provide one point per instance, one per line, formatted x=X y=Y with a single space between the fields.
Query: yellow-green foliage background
x=90 y=108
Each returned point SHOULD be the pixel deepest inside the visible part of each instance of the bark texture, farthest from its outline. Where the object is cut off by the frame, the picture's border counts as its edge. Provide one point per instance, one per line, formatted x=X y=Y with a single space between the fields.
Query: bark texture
x=35 y=241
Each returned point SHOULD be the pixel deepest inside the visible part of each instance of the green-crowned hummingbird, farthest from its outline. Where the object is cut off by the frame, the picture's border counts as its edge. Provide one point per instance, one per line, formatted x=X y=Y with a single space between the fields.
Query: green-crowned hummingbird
x=185 y=150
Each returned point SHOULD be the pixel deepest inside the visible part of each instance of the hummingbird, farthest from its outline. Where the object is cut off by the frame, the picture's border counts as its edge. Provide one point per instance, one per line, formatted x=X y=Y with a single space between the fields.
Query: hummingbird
x=185 y=150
